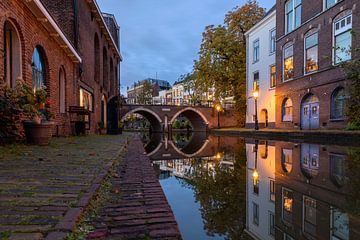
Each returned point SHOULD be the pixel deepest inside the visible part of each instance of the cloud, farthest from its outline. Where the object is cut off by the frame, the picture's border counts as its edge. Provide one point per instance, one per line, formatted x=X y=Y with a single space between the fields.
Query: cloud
x=163 y=36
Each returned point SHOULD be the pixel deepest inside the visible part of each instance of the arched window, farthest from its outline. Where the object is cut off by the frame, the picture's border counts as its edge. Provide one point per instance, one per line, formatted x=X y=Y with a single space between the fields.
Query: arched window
x=62 y=83
x=96 y=58
x=12 y=49
x=105 y=69
x=112 y=78
x=287 y=110
x=38 y=69
x=338 y=101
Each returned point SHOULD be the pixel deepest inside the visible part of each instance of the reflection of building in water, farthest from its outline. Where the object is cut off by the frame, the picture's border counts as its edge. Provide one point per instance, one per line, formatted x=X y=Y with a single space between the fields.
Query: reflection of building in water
x=185 y=168
x=260 y=217
x=310 y=193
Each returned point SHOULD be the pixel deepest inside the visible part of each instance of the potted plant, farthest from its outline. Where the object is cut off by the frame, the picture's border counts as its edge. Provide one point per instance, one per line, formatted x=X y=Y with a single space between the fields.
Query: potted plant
x=36 y=107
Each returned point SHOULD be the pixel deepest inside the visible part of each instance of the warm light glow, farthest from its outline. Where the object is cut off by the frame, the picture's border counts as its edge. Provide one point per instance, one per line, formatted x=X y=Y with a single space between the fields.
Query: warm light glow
x=218 y=156
x=255 y=94
x=255 y=174
x=218 y=108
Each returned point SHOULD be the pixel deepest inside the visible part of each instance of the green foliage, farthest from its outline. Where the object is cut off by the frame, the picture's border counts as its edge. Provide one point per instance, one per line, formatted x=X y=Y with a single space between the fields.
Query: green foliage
x=222 y=60
x=353 y=174
x=222 y=195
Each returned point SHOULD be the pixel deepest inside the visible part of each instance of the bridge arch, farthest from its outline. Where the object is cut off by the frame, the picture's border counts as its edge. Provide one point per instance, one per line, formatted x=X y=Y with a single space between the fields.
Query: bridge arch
x=151 y=116
x=196 y=117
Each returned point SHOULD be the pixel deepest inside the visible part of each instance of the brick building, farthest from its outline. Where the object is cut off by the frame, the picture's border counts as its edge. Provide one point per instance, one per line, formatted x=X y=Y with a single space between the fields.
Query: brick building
x=68 y=46
x=313 y=37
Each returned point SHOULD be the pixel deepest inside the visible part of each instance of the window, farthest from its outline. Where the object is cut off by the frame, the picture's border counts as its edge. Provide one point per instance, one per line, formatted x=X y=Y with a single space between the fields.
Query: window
x=286 y=160
x=12 y=55
x=288 y=62
x=338 y=104
x=287 y=110
x=272 y=76
x=256 y=81
x=342 y=39
x=96 y=59
x=272 y=190
x=330 y=3
x=309 y=216
x=287 y=204
x=271 y=224
x=272 y=41
x=288 y=237
x=338 y=170
x=339 y=224
x=255 y=214
x=38 y=69
x=86 y=99
x=105 y=69
x=311 y=53
x=62 y=107
x=293 y=14
x=256 y=51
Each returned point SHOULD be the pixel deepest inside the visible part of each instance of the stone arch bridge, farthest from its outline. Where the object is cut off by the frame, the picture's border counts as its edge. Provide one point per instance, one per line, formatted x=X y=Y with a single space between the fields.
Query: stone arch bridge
x=162 y=117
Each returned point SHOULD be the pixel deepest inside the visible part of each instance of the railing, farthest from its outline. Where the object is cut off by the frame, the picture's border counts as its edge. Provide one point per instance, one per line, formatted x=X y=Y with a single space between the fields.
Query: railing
x=176 y=102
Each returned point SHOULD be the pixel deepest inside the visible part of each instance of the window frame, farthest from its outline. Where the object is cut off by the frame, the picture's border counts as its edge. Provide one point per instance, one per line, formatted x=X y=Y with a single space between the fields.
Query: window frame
x=306 y=49
x=272 y=191
x=304 y=219
x=283 y=110
x=332 y=104
x=256 y=214
x=257 y=82
x=256 y=51
x=272 y=86
x=335 y=34
x=272 y=229
x=92 y=98
x=293 y=11
x=283 y=61
x=41 y=56
x=62 y=90
x=325 y=7
x=272 y=39
x=282 y=203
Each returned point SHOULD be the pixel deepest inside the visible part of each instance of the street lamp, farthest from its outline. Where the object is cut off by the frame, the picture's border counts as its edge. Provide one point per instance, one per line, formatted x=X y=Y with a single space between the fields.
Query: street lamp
x=218 y=108
x=256 y=95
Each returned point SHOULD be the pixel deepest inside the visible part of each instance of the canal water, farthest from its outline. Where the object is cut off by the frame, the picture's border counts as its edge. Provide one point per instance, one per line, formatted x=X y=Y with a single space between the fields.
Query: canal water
x=223 y=187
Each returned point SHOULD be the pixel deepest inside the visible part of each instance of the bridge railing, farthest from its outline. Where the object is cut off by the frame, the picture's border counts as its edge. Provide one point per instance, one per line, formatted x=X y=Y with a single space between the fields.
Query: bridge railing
x=227 y=104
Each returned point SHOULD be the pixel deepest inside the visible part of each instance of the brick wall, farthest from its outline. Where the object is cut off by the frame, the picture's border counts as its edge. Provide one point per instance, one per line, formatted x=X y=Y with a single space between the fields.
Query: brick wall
x=32 y=34
x=323 y=82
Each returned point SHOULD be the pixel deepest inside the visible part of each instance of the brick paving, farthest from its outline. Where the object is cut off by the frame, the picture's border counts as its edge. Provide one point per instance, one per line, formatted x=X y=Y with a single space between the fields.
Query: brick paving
x=137 y=207
x=44 y=189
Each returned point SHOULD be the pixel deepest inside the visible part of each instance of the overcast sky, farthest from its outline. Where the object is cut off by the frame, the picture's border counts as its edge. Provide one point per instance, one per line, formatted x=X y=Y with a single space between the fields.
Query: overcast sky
x=163 y=36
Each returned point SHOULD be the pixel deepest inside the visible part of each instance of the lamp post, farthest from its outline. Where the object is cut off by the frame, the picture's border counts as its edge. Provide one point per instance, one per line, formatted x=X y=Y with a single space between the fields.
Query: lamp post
x=218 y=108
x=256 y=95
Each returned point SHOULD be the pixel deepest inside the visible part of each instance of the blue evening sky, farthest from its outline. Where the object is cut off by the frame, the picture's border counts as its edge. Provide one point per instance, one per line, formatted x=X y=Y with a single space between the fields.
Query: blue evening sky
x=163 y=36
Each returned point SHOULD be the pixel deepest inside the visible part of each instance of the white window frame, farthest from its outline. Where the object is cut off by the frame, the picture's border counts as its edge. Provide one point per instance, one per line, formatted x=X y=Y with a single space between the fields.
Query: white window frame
x=258 y=55
x=305 y=52
x=270 y=72
x=294 y=16
x=272 y=51
x=339 y=32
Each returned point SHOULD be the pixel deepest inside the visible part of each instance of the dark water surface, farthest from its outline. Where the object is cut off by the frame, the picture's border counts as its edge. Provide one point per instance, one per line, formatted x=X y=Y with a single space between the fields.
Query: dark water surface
x=236 y=188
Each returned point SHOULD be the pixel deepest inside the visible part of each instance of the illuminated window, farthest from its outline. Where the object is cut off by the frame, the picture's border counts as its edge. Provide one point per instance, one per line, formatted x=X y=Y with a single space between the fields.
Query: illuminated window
x=309 y=212
x=286 y=160
x=343 y=39
x=287 y=110
x=256 y=51
x=287 y=204
x=272 y=41
x=288 y=62
x=86 y=99
x=311 y=53
x=272 y=76
x=256 y=82
x=293 y=14
x=272 y=190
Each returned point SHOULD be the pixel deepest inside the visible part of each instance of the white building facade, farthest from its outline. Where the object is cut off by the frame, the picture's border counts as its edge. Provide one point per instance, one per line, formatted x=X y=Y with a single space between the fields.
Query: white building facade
x=261 y=71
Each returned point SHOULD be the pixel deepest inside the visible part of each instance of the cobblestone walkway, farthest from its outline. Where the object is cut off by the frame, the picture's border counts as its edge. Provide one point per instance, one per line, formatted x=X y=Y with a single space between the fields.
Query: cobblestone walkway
x=44 y=189
x=137 y=207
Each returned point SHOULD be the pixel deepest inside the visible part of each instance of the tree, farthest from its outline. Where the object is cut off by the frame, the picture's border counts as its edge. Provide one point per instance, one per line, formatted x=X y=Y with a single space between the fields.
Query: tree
x=189 y=81
x=145 y=94
x=222 y=56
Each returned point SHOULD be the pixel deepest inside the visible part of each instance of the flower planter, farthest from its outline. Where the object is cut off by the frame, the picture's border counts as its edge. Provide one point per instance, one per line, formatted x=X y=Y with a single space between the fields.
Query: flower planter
x=38 y=133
